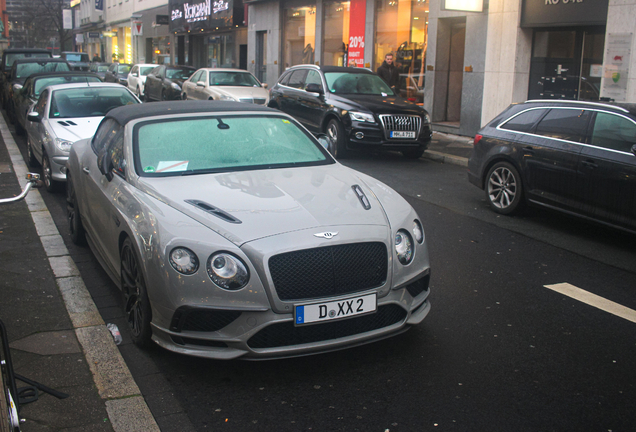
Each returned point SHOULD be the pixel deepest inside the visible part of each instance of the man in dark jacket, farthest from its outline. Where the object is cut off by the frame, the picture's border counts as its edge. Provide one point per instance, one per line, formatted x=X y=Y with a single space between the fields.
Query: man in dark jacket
x=389 y=73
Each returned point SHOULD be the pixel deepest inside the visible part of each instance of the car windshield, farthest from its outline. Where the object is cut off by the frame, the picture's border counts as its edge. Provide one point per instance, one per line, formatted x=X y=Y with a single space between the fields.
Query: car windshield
x=41 y=83
x=13 y=57
x=88 y=101
x=103 y=68
x=357 y=83
x=179 y=73
x=235 y=79
x=76 y=57
x=186 y=146
x=27 y=69
x=123 y=69
x=145 y=70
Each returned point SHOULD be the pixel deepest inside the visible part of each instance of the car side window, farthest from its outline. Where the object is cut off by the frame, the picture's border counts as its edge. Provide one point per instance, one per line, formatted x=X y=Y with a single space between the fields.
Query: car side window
x=116 y=151
x=297 y=78
x=285 y=78
x=105 y=134
x=613 y=132
x=313 y=77
x=524 y=121
x=196 y=76
x=134 y=70
x=566 y=124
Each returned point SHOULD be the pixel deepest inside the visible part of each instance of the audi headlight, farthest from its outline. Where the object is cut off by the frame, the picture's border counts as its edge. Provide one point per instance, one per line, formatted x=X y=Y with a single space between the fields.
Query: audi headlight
x=184 y=261
x=361 y=117
x=404 y=246
x=418 y=231
x=63 y=145
x=427 y=118
x=175 y=86
x=227 y=271
x=226 y=98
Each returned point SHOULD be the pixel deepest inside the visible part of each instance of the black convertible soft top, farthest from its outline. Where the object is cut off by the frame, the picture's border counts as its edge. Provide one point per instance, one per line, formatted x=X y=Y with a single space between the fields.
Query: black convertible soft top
x=126 y=113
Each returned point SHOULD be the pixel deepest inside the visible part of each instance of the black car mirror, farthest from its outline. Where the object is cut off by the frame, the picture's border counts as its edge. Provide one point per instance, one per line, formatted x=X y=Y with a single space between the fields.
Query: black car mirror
x=314 y=88
x=34 y=117
x=105 y=164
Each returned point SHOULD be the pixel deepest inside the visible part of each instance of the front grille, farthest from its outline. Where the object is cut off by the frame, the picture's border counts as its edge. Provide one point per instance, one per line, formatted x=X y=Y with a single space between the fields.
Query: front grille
x=409 y=123
x=329 y=271
x=419 y=286
x=258 y=101
x=190 y=341
x=201 y=320
x=286 y=334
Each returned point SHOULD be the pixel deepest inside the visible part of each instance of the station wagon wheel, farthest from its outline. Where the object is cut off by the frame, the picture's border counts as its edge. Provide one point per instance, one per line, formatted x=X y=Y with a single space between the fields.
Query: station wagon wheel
x=503 y=188
x=336 y=132
x=136 y=302
x=78 y=235
x=33 y=162
x=50 y=184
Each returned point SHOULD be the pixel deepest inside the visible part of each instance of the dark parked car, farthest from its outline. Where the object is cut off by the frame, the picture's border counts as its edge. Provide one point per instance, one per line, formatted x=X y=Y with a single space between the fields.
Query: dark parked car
x=99 y=69
x=24 y=68
x=355 y=107
x=117 y=73
x=12 y=54
x=28 y=95
x=576 y=157
x=165 y=82
x=78 y=60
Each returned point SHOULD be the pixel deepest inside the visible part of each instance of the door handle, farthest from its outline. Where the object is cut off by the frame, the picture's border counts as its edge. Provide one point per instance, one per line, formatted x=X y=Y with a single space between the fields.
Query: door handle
x=590 y=164
x=86 y=170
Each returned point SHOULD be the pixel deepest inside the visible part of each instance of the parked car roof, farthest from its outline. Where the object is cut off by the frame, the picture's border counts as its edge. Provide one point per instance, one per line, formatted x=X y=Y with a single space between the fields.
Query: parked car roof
x=618 y=106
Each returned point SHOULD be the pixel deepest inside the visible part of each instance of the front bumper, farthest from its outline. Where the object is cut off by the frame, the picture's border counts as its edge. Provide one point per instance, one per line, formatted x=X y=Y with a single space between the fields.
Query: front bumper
x=58 y=168
x=368 y=136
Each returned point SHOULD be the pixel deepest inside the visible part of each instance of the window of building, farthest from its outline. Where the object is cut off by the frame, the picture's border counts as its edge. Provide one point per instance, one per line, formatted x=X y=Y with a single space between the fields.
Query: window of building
x=402 y=28
x=300 y=35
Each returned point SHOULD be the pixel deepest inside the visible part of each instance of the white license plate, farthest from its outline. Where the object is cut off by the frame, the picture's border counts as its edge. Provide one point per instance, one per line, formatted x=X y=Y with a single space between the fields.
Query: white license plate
x=327 y=311
x=402 y=134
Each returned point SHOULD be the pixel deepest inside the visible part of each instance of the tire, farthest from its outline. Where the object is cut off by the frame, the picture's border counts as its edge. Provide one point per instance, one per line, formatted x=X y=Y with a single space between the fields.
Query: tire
x=163 y=95
x=184 y=96
x=19 y=130
x=146 y=98
x=136 y=303
x=78 y=235
x=413 y=153
x=32 y=161
x=51 y=185
x=336 y=131
x=503 y=188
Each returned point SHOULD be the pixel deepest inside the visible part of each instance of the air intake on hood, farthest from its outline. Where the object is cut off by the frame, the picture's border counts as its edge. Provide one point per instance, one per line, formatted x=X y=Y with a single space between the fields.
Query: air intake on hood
x=67 y=123
x=214 y=211
x=362 y=197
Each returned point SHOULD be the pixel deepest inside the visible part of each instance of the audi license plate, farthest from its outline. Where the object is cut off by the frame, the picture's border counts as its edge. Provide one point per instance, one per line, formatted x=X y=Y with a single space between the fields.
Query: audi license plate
x=402 y=134
x=327 y=311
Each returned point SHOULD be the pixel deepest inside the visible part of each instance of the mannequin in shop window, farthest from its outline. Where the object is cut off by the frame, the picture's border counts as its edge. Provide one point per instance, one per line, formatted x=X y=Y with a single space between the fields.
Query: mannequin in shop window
x=308 y=55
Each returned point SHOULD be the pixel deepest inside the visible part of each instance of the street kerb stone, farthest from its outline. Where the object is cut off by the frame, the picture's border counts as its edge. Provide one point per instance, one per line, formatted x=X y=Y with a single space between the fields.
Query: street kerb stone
x=54 y=245
x=63 y=266
x=131 y=415
x=110 y=373
x=79 y=304
x=44 y=223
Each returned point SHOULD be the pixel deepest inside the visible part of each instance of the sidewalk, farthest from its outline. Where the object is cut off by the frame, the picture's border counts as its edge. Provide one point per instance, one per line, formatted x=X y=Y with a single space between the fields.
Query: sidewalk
x=449 y=148
x=57 y=336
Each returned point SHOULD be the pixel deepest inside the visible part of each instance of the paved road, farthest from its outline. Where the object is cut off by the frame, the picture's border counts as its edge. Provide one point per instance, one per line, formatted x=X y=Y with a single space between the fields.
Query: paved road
x=498 y=352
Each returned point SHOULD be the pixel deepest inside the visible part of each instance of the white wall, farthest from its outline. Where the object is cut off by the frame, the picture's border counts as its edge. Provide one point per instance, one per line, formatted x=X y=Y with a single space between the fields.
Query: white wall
x=621 y=19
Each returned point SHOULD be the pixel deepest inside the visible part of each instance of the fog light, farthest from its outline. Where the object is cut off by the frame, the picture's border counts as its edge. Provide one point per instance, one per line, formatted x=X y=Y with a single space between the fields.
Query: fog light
x=63 y=169
x=359 y=135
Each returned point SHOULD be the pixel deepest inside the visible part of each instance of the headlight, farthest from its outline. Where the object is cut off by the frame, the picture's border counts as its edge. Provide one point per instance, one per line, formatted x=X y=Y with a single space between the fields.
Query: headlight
x=184 y=261
x=427 y=118
x=63 y=145
x=226 y=98
x=227 y=271
x=175 y=86
x=418 y=231
x=404 y=246
x=361 y=117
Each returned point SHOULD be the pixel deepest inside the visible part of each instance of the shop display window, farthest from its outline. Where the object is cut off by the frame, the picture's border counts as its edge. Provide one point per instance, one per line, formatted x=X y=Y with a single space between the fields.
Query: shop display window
x=300 y=35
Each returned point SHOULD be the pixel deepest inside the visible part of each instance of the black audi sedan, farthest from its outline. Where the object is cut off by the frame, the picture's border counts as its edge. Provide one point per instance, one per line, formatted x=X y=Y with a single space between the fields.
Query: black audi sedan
x=165 y=82
x=572 y=156
x=355 y=107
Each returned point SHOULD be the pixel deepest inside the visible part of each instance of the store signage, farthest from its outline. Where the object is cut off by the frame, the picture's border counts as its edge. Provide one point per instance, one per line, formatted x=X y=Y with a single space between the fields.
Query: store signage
x=162 y=19
x=186 y=15
x=463 y=5
x=220 y=6
x=551 y=13
x=137 y=28
x=618 y=50
x=357 y=16
x=99 y=5
x=93 y=34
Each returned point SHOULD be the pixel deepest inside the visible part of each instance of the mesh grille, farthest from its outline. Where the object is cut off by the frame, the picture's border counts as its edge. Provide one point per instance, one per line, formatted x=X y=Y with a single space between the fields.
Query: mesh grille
x=419 y=286
x=401 y=123
x=329 y=271
x=286 y=334
x=258 y=101
x=202 y=320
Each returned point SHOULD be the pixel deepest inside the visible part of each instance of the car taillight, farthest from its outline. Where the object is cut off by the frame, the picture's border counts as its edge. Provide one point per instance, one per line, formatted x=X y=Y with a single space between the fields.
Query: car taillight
x=411 y=99
x=477 y=138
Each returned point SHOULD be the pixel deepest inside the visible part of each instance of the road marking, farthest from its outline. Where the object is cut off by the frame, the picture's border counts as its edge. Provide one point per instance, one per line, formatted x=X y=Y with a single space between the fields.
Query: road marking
x=594 y=300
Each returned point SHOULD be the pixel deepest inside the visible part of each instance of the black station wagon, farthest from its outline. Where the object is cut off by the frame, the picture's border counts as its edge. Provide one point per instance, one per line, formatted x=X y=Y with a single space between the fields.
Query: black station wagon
x=576 y=157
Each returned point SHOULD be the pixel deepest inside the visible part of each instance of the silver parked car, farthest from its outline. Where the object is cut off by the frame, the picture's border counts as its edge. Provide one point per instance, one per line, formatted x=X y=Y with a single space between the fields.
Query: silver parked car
x=226 y=85
x=63 y=114
x=232 y=232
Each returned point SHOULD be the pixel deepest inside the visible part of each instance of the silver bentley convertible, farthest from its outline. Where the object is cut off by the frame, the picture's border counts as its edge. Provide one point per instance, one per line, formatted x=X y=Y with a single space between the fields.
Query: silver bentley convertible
x=232 y=233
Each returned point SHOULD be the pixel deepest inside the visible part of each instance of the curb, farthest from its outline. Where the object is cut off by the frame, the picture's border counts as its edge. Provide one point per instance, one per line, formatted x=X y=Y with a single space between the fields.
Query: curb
x=127 y=410
x=446 y=158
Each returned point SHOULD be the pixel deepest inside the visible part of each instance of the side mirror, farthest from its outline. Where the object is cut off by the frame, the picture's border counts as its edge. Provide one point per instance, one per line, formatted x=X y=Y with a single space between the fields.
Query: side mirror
x=314 y=88
x=17 y=88
x=264 y=85
x=201 y=84
x=105 y=165
x=135 y=74
x=34 y=117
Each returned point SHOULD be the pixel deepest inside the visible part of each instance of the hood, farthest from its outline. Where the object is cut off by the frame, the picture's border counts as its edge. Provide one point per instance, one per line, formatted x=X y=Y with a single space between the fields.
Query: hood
x=379 y=104
x=242 y=92
x=270 y=202
x=73 y=129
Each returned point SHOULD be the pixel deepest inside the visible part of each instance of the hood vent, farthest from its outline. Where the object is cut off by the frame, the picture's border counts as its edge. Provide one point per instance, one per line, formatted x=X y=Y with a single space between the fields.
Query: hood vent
x=67 y=123
x=362 y=197
x=214 y=211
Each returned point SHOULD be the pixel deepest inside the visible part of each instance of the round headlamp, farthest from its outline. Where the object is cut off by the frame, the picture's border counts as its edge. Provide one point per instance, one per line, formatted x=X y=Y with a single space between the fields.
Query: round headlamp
x=404 y=246
x=227 y=271
x=184 y=261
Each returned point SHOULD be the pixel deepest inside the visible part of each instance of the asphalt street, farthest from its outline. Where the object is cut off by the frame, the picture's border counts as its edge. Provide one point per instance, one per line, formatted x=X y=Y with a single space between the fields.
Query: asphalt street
x=498 y=352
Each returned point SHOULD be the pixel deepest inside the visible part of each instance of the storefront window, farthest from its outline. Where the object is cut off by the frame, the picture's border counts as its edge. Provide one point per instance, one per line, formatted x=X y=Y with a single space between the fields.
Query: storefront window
x=402 y=27
x=221 y=51
x=300 y=35
x=161 y=50
x=337 y=17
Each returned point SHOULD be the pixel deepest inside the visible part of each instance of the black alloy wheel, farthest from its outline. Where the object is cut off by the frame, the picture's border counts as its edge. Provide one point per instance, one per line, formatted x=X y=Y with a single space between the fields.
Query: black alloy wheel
x=336 y=132
x=50 y=185
x=78 y=235
x=32 y=161
x=136 y=302
x=503 y=188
